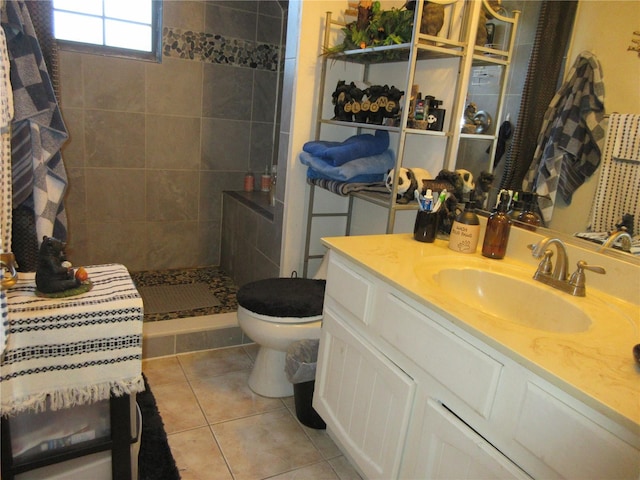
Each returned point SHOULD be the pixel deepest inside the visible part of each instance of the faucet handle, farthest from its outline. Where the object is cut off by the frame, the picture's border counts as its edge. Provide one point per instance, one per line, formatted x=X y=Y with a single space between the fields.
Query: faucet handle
x=545 y=266
x=578 y=278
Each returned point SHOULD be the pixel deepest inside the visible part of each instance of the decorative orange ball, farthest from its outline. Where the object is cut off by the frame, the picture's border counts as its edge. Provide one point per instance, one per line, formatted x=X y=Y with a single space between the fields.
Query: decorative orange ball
x=81 y=274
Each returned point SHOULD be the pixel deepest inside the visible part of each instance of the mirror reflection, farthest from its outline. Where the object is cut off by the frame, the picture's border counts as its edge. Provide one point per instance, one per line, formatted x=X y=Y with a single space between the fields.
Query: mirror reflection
x=591 y=52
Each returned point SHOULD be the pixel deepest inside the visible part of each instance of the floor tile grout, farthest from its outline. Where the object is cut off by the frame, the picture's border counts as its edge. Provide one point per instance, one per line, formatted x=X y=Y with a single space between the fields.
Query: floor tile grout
x=323 y=460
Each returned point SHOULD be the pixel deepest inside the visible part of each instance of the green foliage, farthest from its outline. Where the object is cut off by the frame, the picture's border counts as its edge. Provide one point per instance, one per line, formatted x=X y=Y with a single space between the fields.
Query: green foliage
x=386 y=27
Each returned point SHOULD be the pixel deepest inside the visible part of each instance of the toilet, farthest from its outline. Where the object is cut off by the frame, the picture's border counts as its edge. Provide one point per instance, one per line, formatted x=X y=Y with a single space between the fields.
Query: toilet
x=274 y=313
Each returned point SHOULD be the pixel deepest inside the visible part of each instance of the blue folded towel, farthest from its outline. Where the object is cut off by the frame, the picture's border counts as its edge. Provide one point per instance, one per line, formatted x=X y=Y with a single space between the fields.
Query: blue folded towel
x=364 y=178
x=375 y=164
x=357 y=146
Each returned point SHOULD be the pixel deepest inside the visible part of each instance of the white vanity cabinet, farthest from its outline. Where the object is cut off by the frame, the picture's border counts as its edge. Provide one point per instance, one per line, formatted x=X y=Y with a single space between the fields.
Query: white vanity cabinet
x=362 y=394
x=408 y=394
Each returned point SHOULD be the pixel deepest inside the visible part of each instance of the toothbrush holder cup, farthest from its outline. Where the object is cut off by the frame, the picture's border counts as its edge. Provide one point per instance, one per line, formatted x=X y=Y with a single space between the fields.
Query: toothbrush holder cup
x=426 y=226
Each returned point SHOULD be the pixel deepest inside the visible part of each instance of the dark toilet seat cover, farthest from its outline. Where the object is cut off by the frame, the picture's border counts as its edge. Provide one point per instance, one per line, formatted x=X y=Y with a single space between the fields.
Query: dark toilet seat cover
x=283 y=297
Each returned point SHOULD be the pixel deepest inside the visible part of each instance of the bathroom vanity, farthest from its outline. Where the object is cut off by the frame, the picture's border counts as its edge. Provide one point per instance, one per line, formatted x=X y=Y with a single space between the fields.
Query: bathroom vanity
x=421 y=376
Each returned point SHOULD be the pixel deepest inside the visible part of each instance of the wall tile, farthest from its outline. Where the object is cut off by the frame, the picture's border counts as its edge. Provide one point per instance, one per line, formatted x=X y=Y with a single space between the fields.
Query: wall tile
x=261 y=147
x=271 y=8
x=281 y=170
x=228 y=234
x=247 y=227
x=211 y=186
x=158 y=346
x=75 y=201
x=225 y=144
x=113 y=83
x=269 y=29
x=125 y=116
x=117 y=195
x=183 y=14
x=173 y=142
x=269 y=239
x=231 y=22
x=208 y=252
x=73 y=149
x=172 y=244
x=249 y=6
x=78 y=244
x=227 y=92
x=219 y=338
x=171 y=195
x=118 y=242
x=71 y=79
x=114 y=139
x=265 y=86
x=174 y=87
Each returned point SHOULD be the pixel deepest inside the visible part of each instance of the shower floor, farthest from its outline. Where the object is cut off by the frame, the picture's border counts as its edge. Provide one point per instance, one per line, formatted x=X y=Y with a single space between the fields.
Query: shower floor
x=218 y=282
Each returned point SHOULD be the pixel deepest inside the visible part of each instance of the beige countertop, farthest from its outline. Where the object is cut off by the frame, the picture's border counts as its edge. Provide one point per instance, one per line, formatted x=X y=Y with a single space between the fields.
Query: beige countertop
x=596 y=365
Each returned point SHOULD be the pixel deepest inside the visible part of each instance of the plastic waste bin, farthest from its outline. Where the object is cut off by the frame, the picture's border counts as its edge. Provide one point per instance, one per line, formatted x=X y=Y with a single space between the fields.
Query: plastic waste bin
x=300 y=367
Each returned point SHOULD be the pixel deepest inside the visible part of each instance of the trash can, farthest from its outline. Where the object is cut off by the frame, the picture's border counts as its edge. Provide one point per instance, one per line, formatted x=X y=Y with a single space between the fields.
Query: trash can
x=300 y=367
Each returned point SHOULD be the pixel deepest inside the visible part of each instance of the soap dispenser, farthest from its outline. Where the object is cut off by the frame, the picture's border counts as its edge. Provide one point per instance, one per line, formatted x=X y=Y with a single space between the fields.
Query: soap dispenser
x=465 y=231
x=515 y=207
x=528 y=217
x=498 y=228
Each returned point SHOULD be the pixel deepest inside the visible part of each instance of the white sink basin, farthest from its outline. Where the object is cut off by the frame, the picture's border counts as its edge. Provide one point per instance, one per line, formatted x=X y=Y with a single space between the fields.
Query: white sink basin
x=506 y=297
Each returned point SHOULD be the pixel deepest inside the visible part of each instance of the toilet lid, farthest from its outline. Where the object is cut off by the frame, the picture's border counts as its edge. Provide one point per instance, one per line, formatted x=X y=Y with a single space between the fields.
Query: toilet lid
x=283 y=297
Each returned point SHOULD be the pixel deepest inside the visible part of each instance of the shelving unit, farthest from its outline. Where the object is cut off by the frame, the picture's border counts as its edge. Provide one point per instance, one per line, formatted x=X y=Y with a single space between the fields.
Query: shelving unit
x=118 y=443
x=443 y=63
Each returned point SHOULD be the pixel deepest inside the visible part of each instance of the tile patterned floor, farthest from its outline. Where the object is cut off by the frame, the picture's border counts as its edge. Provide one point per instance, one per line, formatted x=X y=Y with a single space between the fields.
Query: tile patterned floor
x=219 y=429
x=220 y=284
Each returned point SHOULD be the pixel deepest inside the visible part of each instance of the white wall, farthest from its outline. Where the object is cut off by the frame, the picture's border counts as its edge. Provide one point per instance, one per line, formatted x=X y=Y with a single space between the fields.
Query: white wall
x=302 y=77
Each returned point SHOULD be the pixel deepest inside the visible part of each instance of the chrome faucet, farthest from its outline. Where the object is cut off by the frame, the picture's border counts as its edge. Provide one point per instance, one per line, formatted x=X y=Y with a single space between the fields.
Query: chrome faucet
x=558 y=278
x=621 y=234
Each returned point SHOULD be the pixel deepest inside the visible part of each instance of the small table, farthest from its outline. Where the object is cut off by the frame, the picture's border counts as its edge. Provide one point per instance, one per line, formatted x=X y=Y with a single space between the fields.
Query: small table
x=71 y=351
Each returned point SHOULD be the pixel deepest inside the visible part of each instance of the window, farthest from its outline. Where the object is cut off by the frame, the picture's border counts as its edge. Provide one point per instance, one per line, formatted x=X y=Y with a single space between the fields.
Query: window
x=119 y=27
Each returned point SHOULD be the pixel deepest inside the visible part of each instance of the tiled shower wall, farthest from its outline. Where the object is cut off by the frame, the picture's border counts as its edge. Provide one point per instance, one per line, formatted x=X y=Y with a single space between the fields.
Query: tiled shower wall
x=152 y=146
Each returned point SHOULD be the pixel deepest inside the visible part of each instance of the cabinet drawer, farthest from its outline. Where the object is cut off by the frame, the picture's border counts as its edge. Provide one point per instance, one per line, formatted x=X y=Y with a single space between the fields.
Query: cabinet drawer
x=570 y=443
x=466 y=371
x=350 y=289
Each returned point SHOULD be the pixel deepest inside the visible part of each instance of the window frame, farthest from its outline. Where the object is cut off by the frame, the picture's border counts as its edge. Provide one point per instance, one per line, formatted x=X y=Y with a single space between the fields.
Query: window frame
x=155 y=55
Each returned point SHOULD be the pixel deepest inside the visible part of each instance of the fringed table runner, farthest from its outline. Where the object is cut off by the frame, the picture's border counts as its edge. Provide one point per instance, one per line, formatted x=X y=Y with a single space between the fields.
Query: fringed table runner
x=63 y=352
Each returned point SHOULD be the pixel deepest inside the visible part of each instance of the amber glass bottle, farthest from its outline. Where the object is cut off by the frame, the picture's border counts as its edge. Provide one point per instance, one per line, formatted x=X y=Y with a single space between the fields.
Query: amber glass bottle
x=496 y=235
x=528 y=217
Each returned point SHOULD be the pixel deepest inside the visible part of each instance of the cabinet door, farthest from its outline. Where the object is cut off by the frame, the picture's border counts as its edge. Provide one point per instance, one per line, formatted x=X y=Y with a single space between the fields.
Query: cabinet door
x=364 y=399
x=451 y=449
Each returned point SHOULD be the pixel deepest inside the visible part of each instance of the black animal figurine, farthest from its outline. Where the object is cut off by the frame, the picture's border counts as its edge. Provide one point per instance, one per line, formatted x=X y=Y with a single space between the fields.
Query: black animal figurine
x=51 y=275
x=360 y=114
x=340 y=98
x=393 y=103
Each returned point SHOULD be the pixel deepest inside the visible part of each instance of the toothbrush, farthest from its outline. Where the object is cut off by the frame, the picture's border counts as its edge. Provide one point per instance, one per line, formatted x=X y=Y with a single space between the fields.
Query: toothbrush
x=417 y=196
x=440 y=201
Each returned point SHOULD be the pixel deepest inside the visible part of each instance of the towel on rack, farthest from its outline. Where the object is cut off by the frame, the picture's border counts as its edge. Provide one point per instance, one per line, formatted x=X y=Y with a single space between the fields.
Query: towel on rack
x=372 y=165
x=626 y=144
x=572 y=135
x=35 y=103
x=364 y=178
x=345 y=188
x=618 y=190
x=357 y=146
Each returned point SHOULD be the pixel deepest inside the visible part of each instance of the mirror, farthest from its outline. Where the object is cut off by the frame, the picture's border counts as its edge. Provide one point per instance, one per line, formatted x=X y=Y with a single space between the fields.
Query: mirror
x=606 y=29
